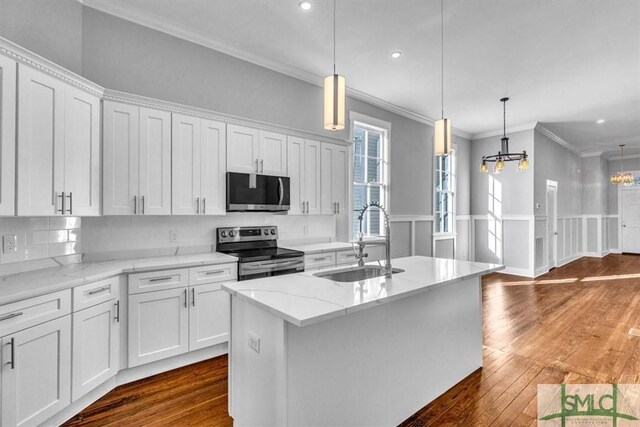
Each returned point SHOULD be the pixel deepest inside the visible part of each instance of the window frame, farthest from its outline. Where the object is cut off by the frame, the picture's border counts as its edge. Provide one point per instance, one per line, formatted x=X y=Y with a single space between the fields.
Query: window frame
x=452 y=191
x=384 y=128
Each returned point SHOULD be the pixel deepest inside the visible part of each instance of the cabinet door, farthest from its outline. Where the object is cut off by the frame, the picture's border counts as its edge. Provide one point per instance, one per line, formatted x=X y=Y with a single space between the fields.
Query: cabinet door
x=208 y=316
x=96 y=334
x=36 y=373
x=213 y=158
x=158 y=325
x=327 y=202
x=40 y=143
x=296 y=170
x=185 y=161
x=312 y=189
x=82 y=153
x=242 y=149
x=155 y=162
x=340 y=180
x=7 y=135
x=273 y=153
x=120 y=159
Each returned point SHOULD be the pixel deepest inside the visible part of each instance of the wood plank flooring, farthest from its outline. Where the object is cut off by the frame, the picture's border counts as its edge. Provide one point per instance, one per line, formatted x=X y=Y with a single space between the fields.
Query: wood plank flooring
x=570 y=325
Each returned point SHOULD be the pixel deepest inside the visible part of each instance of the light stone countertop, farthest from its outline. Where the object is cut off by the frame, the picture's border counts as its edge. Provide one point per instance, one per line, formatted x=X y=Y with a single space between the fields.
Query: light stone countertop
x=19 y=286
x=304 y=299
x=314 y=248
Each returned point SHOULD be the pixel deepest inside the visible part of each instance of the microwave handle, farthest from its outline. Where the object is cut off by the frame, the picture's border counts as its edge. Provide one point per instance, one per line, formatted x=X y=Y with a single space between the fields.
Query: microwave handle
x=280 y=191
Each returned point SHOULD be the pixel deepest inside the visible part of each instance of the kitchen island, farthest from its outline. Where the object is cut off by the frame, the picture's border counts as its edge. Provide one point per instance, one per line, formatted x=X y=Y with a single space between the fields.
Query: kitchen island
x=307 y=350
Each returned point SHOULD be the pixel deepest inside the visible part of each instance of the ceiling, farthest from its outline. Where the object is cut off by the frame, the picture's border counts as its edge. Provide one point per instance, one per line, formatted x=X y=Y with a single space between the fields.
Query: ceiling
x=564 y=64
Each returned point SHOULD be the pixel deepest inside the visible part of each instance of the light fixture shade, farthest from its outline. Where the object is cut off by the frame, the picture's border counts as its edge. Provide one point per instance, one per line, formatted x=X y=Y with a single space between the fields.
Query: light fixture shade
x=334 y=102
x=483 y=167
x=442 y=137
x=523 y=164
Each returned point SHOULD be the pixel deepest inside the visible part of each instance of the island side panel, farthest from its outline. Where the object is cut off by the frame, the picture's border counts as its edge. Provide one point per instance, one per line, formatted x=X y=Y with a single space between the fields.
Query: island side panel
x=380 y=365
x=256 y=379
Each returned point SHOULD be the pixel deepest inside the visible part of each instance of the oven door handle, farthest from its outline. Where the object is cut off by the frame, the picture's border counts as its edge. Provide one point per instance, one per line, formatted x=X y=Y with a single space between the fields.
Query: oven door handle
x=280 y=191
x=250 y=266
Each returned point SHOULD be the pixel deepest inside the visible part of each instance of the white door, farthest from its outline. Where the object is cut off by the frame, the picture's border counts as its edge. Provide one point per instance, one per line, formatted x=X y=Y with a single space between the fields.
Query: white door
x=242 y=149
x=630 y=219
x=8 y=95
x=81 y=153
x=208 y=316
x=295 y=169
x=120 y=159
x=158 y=325
x=273 y=153
x=36 y=373
x=552 y=224
x=40 y=143
x=155 y=162
x=312 y=179
x=96 y=334
x=213 y=158
x=185 y=162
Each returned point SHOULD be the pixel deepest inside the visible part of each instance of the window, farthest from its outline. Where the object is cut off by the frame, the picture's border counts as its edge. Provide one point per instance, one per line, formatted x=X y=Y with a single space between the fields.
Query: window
x=370 y=176
x=444 y=191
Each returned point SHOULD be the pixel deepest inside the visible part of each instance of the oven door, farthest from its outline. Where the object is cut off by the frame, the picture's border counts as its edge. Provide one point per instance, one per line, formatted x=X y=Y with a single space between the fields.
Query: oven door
x=259 y=269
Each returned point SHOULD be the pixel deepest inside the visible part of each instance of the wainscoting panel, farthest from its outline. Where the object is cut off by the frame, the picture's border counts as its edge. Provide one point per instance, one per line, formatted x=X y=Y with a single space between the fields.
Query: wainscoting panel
x=423 y=237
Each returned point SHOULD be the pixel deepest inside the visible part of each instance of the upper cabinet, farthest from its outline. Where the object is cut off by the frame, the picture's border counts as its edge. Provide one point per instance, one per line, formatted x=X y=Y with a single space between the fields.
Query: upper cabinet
x=256 y=151
x=303 y=165
x=8 y=95
x=58 y=147
x=137 y=160
x=335 y=179
x=198 y=166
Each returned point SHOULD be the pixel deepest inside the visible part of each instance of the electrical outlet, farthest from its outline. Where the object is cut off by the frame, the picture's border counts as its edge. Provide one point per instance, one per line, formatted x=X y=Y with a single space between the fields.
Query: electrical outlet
x=9 y=244
x=305 y=230
x=254 y=343
x=173 y=236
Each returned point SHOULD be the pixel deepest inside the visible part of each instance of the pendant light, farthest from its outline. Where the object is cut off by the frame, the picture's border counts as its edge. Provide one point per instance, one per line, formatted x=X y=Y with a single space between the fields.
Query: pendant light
x=504 y=155
x=442 y=127
x=334 y=91
x=622 y=177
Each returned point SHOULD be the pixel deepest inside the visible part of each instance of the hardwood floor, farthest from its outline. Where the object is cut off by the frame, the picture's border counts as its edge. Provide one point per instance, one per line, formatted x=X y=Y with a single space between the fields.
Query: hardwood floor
x=570 y=325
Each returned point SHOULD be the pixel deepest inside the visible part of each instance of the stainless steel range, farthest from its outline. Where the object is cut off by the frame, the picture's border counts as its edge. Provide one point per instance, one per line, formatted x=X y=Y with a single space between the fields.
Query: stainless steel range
x=257 y=251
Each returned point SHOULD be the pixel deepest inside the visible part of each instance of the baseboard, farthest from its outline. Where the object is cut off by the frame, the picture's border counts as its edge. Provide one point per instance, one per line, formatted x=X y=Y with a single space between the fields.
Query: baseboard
x=525 y=272
x=541 y=271
x=569 y=260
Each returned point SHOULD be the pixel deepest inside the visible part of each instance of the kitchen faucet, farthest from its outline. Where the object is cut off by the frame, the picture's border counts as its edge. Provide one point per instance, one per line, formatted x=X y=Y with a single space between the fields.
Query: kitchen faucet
x=387 y=230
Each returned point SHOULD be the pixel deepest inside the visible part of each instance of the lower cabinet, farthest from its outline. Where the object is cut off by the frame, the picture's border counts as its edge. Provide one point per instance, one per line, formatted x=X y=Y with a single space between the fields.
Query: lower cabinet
x=35 y=373
x=96 y=335
x=209 y=316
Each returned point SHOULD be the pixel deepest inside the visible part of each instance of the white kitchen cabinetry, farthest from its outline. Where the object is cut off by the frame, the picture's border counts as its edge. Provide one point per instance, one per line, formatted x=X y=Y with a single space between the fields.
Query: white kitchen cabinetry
x=335 y=179
x=208 y=316
x=8 y=95
x=198 y=166
x=58 y=147
x=256 y=151
x=137 y=160
x=36 y=373
x=303 y=165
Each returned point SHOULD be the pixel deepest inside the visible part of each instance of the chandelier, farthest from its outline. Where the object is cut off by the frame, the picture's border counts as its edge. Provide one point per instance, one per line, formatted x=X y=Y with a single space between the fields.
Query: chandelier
x=504 y=155
x=621 y=177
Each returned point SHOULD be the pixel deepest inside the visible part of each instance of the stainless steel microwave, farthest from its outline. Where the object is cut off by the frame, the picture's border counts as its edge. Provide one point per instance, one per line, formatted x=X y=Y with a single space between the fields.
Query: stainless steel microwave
x=257 y=193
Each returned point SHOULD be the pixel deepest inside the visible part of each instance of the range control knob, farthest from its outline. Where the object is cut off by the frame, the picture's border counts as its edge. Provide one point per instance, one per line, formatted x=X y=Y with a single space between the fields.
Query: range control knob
x=232 y=233
x=223 y=234
x=266 y=232
x=273 y=231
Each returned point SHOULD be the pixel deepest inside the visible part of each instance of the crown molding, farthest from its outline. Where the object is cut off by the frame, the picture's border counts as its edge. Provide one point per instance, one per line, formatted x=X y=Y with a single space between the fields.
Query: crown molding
x=134 y=15
x=172 y=107
x=30 y=59
x=555 y=138
x=591 y=154
x=627 y=156
x=499 y=132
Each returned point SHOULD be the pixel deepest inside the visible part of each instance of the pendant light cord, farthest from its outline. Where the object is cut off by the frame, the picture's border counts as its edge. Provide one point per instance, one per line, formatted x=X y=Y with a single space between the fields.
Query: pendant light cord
x=334 y=36
x=504 y=118
x=442 y=55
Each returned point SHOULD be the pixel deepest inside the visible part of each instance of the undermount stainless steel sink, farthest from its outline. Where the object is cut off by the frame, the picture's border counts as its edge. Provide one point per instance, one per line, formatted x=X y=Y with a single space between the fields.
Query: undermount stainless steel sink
x=356 y=274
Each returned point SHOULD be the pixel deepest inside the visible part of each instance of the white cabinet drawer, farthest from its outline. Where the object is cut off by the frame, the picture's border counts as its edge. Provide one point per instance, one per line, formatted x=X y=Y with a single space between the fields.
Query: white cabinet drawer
x=34 y=311
x=95 y=293
x=158 y=280
x=313 y=261
x=213 y=273
x=346 y=257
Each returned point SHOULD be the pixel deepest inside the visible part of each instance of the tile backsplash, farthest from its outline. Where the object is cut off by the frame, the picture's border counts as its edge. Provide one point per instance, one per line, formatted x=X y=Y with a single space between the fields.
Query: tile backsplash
x=40 y=238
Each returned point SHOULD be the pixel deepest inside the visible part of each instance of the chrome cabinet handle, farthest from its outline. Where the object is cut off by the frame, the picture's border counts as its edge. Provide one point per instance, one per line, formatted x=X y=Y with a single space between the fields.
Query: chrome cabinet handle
x=62 y=209
x=198 y=205
x=257 y=170
x=193 y=297
x=142 y=205
x=185 y=298
x=204 y=206
x=338 y=208
x=320 y=259
x=11 y=316
x=160 y=279
x=99 y=290
x=117 y=316
x=135 y=205
x=261 y=165
x=210 y=273
x=12 y=362
x=70 y=196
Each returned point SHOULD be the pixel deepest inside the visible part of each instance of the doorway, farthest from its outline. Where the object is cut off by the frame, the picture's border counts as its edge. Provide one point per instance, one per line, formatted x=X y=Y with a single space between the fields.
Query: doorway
x=630 y=219
x=552 y=223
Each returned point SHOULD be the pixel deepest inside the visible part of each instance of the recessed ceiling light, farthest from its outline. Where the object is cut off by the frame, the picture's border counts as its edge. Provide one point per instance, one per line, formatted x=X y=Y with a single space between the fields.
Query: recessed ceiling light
x=396 y=54
x=601 y=121
x=304 y=5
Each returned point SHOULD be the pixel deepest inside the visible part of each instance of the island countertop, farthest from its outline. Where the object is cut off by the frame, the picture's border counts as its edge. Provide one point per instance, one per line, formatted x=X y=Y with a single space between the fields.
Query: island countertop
x=303 y=299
